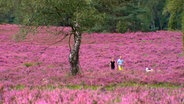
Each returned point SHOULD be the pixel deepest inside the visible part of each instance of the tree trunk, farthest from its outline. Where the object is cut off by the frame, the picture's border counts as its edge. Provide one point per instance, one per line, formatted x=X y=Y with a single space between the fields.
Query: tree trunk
x=74 y=53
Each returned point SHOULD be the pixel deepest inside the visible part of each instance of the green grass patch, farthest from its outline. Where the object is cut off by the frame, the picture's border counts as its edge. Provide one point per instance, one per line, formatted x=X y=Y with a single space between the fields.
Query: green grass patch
x=19 y=87
x=46 y=87
x=75 y=87
x=51 y=87
x=28 y=64
x=155 y=85
x=79 y=87
x=129 y=84
x=163 y=85
x=92 y=87
x=110 y=87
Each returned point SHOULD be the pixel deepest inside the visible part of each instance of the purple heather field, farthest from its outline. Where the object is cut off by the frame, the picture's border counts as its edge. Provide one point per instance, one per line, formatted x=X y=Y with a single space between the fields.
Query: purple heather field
x=36 y=71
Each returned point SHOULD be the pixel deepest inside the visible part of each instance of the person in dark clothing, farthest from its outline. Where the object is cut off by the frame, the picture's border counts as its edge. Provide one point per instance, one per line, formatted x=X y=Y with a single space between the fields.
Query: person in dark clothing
x=112 y=64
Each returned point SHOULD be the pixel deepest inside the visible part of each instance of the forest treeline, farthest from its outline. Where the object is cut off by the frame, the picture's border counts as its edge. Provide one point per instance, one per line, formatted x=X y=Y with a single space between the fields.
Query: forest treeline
x=126 y=15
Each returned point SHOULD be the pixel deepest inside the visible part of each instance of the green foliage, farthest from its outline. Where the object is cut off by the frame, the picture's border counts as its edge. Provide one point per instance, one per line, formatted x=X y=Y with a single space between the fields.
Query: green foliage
x=154 y=19
x=74 y=87
x=6 y=17
x=92 y=87
x=95 y=15
x=53 y=12
x=111 y=87
x=119 y=15
x=51 y=87
x=183 y=29
x=89 y=18
x=122 y=26
x=183 y=23
x=174 y=22
x=19 y=87
x=175 y=9
x=6 y=12
x=28 y=64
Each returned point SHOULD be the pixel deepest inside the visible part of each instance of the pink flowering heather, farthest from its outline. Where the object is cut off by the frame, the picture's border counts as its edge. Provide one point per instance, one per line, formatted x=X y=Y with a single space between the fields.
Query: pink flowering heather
x=127 y=95
x=30 y=67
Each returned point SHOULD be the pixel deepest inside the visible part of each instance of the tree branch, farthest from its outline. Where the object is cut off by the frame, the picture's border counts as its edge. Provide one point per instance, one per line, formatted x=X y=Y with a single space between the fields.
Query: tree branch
x=55 y=43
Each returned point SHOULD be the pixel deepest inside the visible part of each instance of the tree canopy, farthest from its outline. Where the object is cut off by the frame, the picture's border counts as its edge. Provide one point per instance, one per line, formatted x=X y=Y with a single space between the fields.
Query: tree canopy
x=111 y=15
x=52 y=12
x=176 y=9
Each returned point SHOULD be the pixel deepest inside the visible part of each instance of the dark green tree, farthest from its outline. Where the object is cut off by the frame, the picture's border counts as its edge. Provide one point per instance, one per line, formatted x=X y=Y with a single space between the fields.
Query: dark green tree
x=153 y=17
x=176 y=10
x=6 y=16
x=120 y=15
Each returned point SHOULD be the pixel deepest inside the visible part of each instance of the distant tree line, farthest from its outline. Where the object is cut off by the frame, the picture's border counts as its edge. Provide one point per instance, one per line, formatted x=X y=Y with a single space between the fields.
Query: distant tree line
x=127 y=15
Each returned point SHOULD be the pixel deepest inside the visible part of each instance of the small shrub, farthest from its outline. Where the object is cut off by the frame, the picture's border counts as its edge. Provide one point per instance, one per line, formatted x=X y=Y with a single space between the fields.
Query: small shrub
x=28 y=64
x=19 y=87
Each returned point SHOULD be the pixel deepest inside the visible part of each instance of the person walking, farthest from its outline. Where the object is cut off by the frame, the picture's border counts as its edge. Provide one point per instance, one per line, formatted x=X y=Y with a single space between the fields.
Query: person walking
x=112 y=63
x=120 y=62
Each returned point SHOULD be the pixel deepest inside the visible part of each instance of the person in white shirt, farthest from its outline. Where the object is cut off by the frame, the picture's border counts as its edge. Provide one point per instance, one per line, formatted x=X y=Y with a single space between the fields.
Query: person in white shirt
x=120 y=63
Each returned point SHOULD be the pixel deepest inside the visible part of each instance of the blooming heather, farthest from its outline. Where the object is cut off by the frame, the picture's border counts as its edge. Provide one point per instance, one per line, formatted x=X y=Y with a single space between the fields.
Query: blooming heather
x=36 y=62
